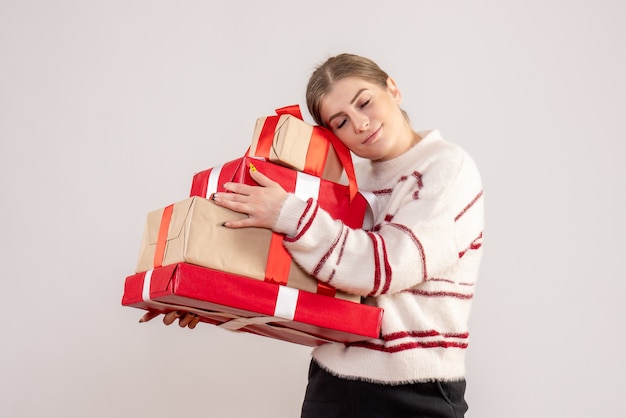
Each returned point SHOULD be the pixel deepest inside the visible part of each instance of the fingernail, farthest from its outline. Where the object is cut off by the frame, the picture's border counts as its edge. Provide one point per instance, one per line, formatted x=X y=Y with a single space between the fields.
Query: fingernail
x=252 y=167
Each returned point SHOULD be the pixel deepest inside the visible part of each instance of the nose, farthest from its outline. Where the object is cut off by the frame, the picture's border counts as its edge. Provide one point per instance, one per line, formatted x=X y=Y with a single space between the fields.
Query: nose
x=361 y=123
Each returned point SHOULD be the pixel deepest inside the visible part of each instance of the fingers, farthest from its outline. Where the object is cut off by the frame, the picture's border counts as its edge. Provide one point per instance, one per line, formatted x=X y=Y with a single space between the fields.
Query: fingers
x=234 y=201
x=255 y=214
x=194 y=322
x=239 y=189
x=170 y=317
x=261 y=178
x=148 y=316
x=245 y=189
x=244 y=223
x=185 y=319
x=261 y=204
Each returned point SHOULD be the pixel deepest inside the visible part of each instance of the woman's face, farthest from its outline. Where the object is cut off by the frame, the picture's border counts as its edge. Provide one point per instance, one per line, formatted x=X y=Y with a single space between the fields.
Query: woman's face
x=367 y=118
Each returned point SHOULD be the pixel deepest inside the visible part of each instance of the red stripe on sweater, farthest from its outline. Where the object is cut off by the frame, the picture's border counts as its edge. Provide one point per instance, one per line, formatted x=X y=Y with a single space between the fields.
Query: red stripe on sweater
x=409 y=346
x=343 y=245
x=418 y=245
x=418 y=179
x=436 y=279
x=310 y=205
x=475 y=245
x=325 y=257
x=376 y=264
x=469 y=205
x=388 y=273
x=384 y=346
x=424 y=333
x=440 y=294
x=383 y=191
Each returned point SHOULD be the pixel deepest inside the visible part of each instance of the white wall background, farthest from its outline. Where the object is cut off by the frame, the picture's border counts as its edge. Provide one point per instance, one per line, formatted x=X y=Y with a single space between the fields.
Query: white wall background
x=108 y=108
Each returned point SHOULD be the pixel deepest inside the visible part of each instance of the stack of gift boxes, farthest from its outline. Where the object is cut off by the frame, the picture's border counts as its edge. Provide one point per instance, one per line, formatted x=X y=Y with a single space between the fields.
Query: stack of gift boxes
x=244 y=279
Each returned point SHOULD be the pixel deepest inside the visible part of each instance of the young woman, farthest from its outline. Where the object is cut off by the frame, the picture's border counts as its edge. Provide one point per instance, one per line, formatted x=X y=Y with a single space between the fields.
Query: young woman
x=419 y=261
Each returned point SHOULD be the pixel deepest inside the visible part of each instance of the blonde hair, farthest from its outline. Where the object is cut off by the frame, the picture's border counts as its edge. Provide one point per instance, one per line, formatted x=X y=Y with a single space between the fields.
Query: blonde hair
x=336 y=68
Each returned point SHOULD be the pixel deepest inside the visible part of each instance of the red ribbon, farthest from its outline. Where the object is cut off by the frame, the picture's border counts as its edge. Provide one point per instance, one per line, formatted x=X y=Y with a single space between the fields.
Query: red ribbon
x=159 y=252
x=293 y=110
x=278 y=261
x=345 y=157
x=316 y=155
x=264 y=144
x=325 y=289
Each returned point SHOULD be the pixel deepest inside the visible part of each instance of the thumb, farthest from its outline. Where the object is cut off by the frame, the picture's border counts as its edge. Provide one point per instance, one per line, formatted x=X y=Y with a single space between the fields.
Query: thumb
x=149 y=316
x=260 y=178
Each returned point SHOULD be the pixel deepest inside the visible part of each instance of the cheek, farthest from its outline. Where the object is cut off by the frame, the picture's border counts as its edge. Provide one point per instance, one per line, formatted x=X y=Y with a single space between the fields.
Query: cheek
x=345 y=138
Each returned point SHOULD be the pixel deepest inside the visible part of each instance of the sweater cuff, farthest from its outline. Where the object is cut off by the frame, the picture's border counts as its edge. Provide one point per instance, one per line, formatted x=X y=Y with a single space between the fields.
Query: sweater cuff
x=290 y=215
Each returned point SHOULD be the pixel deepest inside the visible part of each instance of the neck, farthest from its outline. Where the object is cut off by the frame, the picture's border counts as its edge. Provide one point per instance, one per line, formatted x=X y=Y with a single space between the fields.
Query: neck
x=410 y=138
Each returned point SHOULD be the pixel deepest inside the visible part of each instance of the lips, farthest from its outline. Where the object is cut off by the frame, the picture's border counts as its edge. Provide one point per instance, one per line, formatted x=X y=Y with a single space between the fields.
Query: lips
x=372 y=137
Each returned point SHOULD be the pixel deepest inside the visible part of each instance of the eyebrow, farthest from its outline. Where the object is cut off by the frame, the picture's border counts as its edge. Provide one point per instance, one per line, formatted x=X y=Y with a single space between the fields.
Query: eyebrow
x=356 y=96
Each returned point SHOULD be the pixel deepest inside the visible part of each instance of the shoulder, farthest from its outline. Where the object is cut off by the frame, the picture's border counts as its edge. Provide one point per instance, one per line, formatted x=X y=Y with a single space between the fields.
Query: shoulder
x=434 y=153
x=433 y=147
x=433 y=157
x=443 y=164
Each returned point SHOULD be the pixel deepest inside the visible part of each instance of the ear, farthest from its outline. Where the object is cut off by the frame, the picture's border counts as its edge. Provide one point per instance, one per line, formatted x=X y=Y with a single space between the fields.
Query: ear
x=394 y=90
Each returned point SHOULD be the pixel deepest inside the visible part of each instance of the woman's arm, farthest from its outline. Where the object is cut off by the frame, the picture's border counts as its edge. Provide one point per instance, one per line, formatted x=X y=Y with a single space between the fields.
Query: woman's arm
x=415 y=239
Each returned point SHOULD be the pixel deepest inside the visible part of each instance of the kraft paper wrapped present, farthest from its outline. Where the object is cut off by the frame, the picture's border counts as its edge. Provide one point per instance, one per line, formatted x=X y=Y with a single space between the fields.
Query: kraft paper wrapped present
x=287 y=140
x=241 y=304
x=191 y=231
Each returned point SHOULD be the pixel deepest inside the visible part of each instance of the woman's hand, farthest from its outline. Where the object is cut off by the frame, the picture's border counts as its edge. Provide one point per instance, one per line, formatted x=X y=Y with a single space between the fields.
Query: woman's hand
x=185 y=319
x=261 y=203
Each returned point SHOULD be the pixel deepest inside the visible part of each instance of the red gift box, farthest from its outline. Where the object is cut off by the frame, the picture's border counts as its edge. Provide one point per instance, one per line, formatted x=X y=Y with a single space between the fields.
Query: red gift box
x=242 y=304
x=333 y=197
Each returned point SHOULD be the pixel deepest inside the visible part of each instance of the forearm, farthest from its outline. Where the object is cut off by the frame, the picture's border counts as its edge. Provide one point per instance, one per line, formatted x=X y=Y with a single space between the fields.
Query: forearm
x=352 y=260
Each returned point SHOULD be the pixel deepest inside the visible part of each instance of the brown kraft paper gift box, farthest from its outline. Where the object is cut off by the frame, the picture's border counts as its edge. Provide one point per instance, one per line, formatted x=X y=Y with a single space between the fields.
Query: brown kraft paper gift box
x=195 y=235
x=295 y=144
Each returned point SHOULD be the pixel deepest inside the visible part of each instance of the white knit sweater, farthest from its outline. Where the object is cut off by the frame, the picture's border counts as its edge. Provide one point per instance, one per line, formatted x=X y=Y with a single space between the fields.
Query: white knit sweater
x=419 y=262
